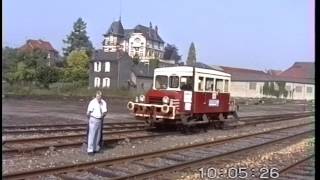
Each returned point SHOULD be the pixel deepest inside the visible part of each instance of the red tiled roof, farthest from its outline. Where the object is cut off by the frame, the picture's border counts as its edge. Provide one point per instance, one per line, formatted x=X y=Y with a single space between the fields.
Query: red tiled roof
x=303 y=70
x=239 y=74
x=37 y=44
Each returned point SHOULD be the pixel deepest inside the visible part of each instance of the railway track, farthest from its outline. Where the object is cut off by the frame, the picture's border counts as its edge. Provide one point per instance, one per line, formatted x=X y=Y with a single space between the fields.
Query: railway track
x=303 y=169
x=16 y=147
x=12 y=147
x=43 y=129
x=156 y=163
x=66 y=127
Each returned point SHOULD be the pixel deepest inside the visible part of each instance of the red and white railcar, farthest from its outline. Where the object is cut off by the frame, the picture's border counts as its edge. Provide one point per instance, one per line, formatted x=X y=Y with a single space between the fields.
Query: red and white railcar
x=186 y=95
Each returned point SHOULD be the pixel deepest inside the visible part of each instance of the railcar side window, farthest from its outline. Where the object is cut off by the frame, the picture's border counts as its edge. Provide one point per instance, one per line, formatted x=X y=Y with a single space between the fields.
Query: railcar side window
x=161 y=82
x=186 y=83
x=226 y=85
x=219 y=85
x=174 y=81
x=200 y=83
x=209 y=84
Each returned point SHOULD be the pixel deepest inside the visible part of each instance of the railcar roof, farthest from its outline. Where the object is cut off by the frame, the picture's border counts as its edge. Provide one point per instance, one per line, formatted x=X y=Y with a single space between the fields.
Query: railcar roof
x=188 y=69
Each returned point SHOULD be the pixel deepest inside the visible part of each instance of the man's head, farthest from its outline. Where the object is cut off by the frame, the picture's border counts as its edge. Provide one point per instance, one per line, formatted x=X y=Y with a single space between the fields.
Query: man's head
x=98 y=95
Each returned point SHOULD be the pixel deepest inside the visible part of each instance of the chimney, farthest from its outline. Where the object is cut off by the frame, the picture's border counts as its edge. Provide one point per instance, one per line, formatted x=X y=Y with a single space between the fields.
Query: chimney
x=156 y=28
x=150 y=25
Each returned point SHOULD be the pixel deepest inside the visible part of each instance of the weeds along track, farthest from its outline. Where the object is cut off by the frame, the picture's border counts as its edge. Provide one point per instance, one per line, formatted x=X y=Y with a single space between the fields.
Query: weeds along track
x=163 y=161
x=20 y=146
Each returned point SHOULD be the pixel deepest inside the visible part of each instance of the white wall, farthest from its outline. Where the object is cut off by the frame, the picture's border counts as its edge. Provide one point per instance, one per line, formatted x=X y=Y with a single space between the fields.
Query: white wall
x=241 y=89
x=300 y=95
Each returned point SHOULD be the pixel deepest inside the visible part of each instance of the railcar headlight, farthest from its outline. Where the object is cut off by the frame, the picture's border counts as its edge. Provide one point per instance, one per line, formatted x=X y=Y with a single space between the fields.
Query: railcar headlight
x=165 y=100
x=142 y=98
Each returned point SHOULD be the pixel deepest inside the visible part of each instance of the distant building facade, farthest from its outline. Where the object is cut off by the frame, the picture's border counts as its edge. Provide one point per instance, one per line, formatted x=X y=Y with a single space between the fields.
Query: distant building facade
x=298 y=79
x=116 y=70
x=43 y=46
x=141 y=41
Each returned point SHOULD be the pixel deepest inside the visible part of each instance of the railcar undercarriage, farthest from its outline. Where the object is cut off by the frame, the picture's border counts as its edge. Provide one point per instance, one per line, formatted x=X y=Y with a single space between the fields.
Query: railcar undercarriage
x=161 y=115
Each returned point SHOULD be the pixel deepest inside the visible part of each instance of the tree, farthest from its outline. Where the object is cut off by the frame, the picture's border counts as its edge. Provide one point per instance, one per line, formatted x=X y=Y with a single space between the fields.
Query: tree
x=269 y=89
x=78 y=39
x=136 y=59
x=191 y=60
x=154 y=63
x=46 y=75
x=171 y=53
x=77 y=66
x=23 y=66
x=9 y=57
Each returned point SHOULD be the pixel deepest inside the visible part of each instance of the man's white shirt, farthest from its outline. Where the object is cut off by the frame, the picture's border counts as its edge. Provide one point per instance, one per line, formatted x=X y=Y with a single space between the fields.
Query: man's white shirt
x=97 y=109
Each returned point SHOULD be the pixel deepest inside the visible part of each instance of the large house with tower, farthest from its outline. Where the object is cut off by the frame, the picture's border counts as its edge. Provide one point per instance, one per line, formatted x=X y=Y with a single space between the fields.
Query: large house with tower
x=140 y=42
x=113 y=65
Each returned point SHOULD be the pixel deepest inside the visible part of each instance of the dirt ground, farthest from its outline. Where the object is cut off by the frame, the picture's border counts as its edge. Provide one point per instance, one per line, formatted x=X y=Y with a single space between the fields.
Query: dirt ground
x=26 y=111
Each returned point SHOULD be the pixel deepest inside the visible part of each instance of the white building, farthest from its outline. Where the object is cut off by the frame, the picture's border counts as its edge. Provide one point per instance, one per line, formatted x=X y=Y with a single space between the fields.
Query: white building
x=141 y=41
x=298 y=79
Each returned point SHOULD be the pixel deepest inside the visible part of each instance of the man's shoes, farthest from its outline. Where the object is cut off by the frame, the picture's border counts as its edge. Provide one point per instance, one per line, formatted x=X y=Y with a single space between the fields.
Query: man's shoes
x=99 y=152
x=91 y=153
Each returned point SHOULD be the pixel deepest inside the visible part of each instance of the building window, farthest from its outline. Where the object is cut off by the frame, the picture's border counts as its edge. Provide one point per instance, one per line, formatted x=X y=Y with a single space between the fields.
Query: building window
x=96 y=82
x=158 y=45
x=97 y=66
x=106 y=82
x=209 y=84
x=226 y=85
x=309 y=89
x=252 y=85
x=288 y=87
x=107 y=67
x=298 y=89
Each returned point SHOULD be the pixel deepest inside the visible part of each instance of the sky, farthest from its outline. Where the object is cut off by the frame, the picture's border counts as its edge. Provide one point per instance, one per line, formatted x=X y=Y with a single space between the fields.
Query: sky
x=264 y=34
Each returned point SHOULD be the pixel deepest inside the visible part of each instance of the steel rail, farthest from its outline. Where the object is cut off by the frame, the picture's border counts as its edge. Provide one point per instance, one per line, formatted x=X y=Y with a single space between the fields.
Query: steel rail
x=106 y=127
x=8 y=152
x=291 y=166
x=82 y=135
x=63 y=125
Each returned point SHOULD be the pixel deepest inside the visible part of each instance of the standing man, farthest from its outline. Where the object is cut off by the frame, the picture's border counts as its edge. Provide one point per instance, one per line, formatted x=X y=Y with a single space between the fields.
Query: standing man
x=97 y=109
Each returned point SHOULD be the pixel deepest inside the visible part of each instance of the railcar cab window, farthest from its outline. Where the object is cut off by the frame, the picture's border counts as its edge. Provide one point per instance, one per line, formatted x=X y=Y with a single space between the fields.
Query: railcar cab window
x=219 y=85
x=174 y=81
x=226 y=85
x=186 y=83
x=209 y=84
x=161 y=82
x=200 y=83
